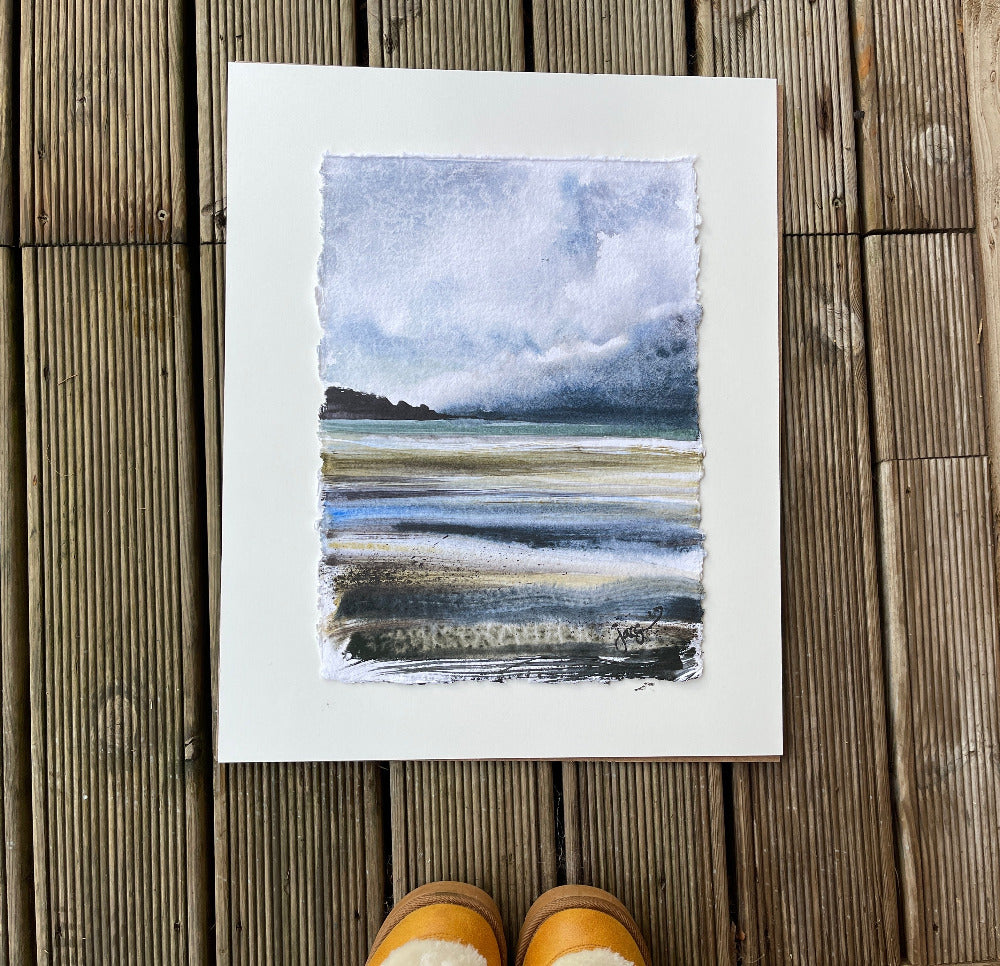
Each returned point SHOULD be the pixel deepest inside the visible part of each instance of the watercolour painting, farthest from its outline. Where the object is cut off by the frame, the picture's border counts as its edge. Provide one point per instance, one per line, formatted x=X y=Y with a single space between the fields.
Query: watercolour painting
x=511 y=456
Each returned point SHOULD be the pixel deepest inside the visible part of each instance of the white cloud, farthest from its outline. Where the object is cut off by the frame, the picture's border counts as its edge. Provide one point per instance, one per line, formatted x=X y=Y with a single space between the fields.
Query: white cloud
x=448 y=282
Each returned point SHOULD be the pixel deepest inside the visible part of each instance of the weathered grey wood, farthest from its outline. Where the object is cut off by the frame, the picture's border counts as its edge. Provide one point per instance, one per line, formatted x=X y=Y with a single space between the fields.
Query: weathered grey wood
x=653 y=834
x=806 y=45
x=298 y=847
x=461 y=34
x=298 y=861
x=927 y=379
x=944 y=686
x=272 y=31
x=8 y=69
x=118 y=738
x=17 y=925
x=914 y=143
x=102 y=140
x=981 y=29
x=488 y=823
x=814 y=845
x=609 y=36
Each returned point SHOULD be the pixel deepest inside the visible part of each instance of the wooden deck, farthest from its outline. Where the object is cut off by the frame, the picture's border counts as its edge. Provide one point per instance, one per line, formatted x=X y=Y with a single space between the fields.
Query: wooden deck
x=875 y=840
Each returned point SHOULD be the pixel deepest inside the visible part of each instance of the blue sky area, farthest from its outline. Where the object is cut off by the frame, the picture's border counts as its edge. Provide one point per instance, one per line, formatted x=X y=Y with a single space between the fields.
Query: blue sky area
x=541 y=289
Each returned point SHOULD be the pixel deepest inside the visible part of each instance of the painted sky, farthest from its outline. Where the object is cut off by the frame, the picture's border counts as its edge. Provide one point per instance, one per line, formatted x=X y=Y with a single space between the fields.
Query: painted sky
x=527 y=287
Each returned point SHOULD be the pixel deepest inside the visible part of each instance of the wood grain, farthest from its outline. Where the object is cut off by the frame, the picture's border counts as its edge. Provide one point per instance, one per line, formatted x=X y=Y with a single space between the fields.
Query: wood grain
x=298 y=847
x=118 y=738
x=927 y=379
x=981 y=28
x=298 y=862
x=488 y=823
x=653 y=835
x=814 y=847
x=8 y=69
x=457 y=34
x=102 y=139
x=609 y=36
x=17 y=918
x=944 y=685
x=917 y=164
x=270 y=31
x=806 y=45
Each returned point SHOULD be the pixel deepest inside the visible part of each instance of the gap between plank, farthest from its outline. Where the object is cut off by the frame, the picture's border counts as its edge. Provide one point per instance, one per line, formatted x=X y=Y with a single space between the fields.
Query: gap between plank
x=385 y=810
x=559 y=808
x=192 y=245
x=15 y=131
x=361 y=53
x=18 y=811
x=729 y=828
x=24 y=892
x=691 y=37
x=528 y=27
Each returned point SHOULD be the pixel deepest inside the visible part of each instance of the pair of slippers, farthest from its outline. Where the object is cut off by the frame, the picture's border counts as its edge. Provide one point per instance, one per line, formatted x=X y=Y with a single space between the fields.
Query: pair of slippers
x=567 y=919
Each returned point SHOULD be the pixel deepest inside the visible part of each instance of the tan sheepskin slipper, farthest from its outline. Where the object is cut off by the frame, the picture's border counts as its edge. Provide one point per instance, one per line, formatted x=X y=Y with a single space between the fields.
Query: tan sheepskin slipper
x=449 y=922
x=587 y=925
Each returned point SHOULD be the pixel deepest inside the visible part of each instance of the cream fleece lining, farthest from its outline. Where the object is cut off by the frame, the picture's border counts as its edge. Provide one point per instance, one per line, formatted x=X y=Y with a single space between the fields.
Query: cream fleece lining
x=440 y=952
x=436 y=952
x=592 y=957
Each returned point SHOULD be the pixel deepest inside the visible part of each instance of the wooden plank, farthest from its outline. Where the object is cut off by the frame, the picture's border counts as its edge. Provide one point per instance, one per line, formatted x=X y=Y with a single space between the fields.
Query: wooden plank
x=814 y=847
x=944 y=685
x=806 y=45
x=610 y=36
x=118 y=730
x=488 y=823
x=459 y=34
x=981 y=28
x=927 y=380
x=298 y=862
x=17 y=917
x=8 y=54
x=271 y=31
x=298 y=847
x=653 y=834
x=102 y=141
x=914 y=141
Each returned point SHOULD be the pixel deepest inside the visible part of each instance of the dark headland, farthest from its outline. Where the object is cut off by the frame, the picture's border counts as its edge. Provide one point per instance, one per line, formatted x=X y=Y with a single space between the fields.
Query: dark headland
x=350 y=404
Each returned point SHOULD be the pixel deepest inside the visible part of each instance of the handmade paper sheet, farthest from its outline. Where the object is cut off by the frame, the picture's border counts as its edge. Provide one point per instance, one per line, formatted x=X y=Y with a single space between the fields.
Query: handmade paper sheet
x=500 y=472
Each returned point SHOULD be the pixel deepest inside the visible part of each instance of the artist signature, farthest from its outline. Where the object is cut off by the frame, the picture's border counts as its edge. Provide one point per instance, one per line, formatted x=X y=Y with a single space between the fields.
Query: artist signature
x=637 y=632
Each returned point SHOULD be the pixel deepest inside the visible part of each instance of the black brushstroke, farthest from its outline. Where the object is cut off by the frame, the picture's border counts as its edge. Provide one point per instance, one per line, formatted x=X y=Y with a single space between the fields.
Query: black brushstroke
x=584 y=535
x=341 y=403
x=587 y=661
x=407 y=601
